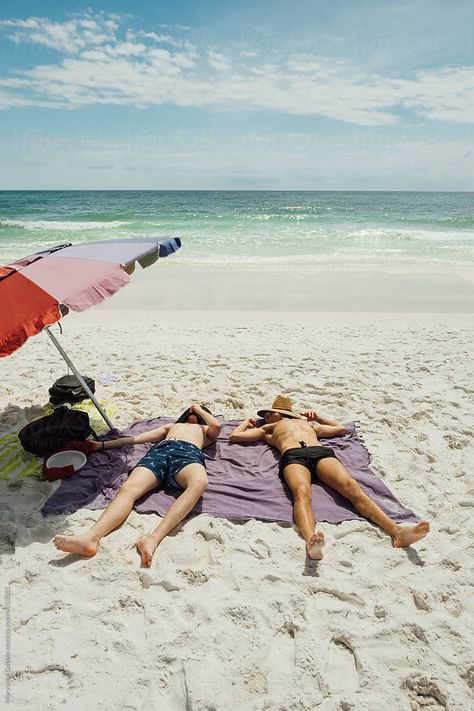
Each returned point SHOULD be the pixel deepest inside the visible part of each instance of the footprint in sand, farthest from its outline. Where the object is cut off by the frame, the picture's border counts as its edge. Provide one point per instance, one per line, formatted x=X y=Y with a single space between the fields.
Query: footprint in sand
x=280 y=665
x=33 y=683
x=178 y=698
x=341 y=669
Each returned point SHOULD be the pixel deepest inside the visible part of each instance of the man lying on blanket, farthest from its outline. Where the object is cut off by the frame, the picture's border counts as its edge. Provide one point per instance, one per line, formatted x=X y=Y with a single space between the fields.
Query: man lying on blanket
x=302 y=457
x=176 y=459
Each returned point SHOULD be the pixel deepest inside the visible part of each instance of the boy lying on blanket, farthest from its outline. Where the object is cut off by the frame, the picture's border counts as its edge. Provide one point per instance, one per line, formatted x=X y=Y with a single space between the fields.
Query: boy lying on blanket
x=175 y=459
x=302 y=457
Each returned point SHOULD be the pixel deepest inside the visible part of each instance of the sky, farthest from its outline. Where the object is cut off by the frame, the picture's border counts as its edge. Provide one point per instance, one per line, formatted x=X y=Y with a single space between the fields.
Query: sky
x=224 y=95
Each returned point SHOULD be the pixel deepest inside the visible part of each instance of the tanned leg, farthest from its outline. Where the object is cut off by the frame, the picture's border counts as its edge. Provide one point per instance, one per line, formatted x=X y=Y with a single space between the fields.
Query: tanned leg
x=194 y=480
x=298 y=479
x=140 y=482
x=332 y=473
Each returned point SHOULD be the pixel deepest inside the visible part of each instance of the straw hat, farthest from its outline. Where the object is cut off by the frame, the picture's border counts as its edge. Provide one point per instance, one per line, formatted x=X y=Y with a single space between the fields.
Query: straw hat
x=282 y=405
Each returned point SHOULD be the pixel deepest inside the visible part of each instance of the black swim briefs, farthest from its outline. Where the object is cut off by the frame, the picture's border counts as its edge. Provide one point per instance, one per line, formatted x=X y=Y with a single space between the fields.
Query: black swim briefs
x=306 y=456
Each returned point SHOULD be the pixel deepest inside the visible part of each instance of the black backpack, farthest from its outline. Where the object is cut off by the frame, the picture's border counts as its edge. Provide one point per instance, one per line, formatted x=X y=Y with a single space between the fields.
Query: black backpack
x=69 y=389
x=52 y=432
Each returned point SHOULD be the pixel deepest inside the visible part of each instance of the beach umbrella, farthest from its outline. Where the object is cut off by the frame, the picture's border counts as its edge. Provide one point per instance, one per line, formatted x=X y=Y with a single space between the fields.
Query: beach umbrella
x=38 y=290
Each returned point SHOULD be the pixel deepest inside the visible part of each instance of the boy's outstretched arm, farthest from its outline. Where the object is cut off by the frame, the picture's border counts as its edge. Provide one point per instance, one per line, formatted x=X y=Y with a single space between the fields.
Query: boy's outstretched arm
x=155 y=435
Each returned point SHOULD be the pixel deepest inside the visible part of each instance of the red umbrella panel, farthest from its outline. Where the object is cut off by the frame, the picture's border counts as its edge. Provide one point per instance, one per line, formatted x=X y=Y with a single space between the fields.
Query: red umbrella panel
x=25 y=310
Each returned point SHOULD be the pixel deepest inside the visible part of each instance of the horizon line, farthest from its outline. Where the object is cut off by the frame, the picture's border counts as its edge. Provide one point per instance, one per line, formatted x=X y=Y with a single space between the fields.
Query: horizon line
x=225 y=190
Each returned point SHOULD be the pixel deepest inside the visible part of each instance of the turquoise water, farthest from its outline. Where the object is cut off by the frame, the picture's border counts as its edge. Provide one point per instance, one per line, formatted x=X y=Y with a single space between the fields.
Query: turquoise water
x=257 y=230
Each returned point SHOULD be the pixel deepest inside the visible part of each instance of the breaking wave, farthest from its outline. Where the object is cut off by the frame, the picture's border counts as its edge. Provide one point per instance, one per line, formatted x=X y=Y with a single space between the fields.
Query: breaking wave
x=60 y=226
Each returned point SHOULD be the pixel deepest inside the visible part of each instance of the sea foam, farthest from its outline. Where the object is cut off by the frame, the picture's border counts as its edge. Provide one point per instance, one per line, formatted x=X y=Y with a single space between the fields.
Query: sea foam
x=57 y=225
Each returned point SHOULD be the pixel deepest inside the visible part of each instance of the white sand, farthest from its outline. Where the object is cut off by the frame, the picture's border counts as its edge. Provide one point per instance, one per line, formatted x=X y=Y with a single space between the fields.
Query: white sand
x=230 y=616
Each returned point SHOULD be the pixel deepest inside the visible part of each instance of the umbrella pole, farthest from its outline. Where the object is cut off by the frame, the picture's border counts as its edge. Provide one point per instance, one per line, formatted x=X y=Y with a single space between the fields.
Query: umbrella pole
x=79 y=377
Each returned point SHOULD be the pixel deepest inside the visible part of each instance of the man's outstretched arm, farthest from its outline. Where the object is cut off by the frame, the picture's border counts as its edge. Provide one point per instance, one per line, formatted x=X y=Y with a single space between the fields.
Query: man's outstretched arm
x=247 y=432
x=323 y=426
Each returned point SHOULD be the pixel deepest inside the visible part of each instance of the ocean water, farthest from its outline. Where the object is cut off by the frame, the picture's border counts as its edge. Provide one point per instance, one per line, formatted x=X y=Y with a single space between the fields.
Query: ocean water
x=256 y=230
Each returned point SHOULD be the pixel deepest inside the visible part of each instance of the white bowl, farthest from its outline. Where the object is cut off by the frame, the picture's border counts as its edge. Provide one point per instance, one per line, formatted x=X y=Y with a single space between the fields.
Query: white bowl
x=70 y=457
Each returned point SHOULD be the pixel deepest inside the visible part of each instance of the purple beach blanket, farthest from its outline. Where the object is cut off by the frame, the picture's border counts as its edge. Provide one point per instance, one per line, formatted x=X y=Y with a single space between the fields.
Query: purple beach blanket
x=243 y=481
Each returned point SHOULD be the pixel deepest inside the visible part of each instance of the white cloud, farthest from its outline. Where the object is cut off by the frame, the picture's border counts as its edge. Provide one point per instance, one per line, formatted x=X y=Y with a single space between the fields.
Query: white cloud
x=8 y=101
x=447 y=95
x=127 y=49
x=219 y=61
x=68 y=37
x=107 y=65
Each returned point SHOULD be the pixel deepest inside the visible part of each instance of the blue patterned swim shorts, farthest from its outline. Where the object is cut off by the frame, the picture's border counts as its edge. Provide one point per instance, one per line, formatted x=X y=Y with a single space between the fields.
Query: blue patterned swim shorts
x=166 y=459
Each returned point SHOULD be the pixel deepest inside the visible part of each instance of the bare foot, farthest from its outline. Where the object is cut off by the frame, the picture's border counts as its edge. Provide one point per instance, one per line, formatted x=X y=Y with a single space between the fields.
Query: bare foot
x=315 y=546
x=146 y=547
x=410 y=534
x=76 y=544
